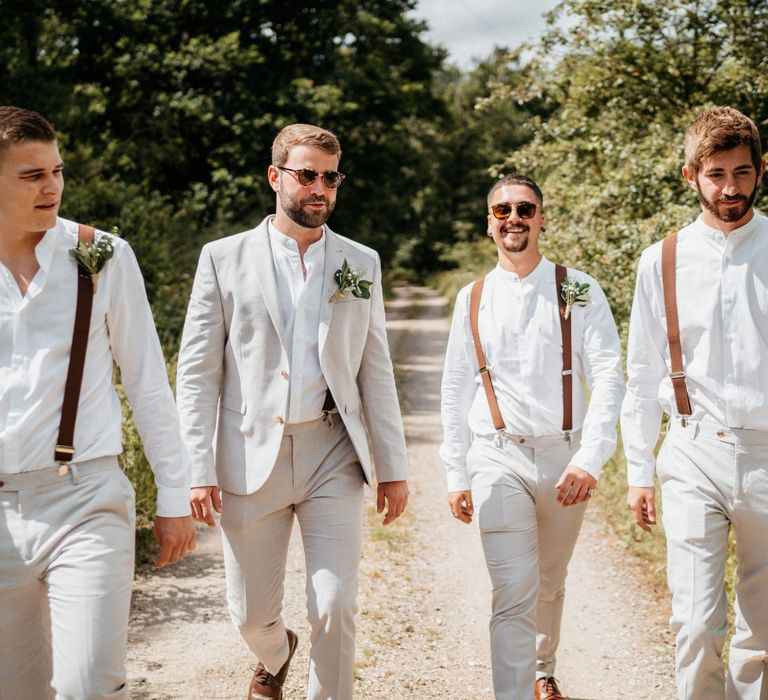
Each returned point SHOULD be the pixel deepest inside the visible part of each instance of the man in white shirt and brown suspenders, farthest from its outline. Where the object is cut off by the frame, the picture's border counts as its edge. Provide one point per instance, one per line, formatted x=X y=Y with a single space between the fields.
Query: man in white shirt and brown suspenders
x=66 y=509
x=520 y=445
x=698 y=351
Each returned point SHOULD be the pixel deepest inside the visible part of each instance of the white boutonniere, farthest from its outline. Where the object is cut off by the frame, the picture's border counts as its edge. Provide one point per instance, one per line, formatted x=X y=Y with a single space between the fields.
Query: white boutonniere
x=91 y=257
x=351 y=279
x=574 y=292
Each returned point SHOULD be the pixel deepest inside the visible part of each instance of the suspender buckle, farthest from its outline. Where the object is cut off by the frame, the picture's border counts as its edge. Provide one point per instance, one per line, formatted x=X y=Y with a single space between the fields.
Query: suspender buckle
x=567 y=372
x=483 y=369
x=677 y=375
x=64 y=453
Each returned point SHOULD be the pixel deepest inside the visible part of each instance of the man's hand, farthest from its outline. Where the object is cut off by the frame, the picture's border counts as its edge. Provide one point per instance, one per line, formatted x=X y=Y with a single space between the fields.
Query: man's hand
x=641 y=500
x=395 y=493
x=575 y=486
x=204 y=500
x=460 y=503
x=176 y=537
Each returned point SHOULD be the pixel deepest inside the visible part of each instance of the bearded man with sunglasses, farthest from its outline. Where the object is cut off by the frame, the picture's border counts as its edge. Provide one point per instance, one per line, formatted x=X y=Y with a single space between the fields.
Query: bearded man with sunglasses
x=698 y=352
x=522 y=448
x=284 y=364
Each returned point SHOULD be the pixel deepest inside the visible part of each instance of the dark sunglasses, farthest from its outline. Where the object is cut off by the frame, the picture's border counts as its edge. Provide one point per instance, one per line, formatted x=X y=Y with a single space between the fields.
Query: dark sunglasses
x=306 y=176
x=525 y=210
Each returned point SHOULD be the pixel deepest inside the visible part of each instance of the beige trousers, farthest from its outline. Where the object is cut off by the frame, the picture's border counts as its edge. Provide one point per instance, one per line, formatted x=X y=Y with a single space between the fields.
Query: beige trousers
x=712 y=479
x=66 y=570
x=528 y=539
x=318 y=480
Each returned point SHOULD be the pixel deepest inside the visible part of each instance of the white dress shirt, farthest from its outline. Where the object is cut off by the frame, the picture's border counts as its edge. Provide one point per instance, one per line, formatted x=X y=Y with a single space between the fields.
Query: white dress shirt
x=722 y=298
x=35 y=341
x=519 y=326
x=300 y=291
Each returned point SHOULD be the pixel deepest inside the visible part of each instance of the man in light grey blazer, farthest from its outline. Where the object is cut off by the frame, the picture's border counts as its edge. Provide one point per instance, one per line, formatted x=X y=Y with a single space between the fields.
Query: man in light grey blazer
x=283 y=366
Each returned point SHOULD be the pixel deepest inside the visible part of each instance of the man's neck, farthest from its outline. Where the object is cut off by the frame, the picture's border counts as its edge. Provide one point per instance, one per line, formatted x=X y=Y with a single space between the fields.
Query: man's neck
x=726 y=227
x=522 y=264
x=304 y=237
x=17 y=253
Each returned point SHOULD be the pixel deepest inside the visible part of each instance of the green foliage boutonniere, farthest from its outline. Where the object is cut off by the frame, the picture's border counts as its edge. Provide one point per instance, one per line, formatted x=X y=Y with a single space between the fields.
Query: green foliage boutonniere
x=574 y=292
x=91 y=257
x=352 y=280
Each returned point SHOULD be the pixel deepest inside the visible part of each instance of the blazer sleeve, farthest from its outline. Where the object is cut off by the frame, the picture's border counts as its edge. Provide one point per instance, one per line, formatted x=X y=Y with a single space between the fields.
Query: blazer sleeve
x=200 y=370
x=376 y=381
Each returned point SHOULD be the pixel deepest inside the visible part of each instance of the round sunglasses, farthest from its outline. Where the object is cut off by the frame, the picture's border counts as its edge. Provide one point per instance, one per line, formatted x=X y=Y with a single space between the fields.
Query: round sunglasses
x=503 y=210
x=306 y=176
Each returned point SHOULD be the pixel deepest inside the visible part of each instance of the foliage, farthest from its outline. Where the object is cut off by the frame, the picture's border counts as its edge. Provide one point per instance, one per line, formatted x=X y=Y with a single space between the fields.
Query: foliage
x=623 y=80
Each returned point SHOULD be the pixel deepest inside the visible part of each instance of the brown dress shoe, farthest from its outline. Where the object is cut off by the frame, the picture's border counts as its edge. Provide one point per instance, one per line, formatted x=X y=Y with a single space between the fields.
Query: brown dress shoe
x=546 y=689
x=265 y=686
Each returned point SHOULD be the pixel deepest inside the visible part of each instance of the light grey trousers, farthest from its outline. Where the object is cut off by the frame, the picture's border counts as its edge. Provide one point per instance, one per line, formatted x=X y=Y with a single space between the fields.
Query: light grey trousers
x=318 y=480
x=528 y=539
x=66 y=571
x=714 y=478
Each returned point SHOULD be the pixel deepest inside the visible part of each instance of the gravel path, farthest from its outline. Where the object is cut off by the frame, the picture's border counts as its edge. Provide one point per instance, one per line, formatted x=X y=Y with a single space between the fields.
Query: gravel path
x=424 y=590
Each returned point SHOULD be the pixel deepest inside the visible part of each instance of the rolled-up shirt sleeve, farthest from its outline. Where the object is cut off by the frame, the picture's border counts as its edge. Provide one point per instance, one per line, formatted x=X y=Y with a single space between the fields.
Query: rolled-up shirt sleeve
x=601 y=357
x=642 y=411
x=136 y=350
x=457 y=394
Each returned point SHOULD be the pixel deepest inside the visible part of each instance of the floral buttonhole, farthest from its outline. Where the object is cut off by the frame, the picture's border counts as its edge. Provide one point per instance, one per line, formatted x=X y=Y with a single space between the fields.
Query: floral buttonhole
x=574 y=294
x=351 y=279
x=92 y=257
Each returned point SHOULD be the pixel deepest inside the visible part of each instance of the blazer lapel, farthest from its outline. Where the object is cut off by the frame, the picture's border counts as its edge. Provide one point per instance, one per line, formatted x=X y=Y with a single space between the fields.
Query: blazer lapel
x=334 y=257
x=264 y=266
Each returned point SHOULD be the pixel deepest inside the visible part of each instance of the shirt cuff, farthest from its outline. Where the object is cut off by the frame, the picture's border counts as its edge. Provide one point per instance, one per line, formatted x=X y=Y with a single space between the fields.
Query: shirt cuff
x=587 y=460
x=457 y=479
x=640 y=475
x=173 y=502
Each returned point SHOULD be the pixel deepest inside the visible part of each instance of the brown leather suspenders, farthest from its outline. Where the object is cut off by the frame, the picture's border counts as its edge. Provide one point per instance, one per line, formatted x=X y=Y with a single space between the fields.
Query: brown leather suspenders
x=485 y=374
x=669 y=283
x=565 y=327
x=65 y=447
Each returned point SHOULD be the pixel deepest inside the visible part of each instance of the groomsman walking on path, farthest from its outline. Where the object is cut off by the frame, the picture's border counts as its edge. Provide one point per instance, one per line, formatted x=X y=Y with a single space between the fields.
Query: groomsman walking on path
x=284 y=359
x=66 y=509
x=522 y=445
x=698 y=351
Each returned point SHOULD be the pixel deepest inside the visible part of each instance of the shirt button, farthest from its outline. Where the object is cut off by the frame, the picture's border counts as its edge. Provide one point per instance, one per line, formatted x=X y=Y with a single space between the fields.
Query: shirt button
x=721 y=433
x=522 y=441
x=284 y=374
x=280 y=420
x=2 y=483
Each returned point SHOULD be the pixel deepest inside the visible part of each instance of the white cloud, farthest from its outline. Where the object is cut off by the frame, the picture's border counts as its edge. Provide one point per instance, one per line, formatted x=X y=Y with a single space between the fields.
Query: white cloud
x=471 y=28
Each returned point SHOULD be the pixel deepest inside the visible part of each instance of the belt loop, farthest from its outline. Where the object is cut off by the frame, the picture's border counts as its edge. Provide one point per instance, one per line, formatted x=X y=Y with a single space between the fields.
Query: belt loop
x=75 y=472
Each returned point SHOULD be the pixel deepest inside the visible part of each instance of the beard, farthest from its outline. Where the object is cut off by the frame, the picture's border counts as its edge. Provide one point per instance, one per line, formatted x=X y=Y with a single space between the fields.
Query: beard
x=728 y=214
x=307 y=218
x=516 y=243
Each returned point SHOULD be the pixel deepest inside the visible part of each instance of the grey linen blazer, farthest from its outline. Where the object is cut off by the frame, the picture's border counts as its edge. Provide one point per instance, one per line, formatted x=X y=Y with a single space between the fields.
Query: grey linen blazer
x=233 y=371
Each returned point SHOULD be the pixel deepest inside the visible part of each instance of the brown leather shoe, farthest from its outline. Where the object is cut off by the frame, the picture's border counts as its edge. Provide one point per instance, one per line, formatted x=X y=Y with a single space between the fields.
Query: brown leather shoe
x=546 y=689
x=265 y=686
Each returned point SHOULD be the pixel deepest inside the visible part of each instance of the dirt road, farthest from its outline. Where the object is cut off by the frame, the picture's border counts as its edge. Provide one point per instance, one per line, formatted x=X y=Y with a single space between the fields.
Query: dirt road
x=424 y=590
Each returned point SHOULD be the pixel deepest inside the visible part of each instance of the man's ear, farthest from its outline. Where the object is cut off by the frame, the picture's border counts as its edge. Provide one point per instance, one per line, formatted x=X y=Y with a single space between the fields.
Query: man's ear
x=273 y=177
x=688 y=175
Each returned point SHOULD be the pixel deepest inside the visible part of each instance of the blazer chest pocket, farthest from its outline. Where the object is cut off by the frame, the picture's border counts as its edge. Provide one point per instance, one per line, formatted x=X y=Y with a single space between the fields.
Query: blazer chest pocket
x=233 y=403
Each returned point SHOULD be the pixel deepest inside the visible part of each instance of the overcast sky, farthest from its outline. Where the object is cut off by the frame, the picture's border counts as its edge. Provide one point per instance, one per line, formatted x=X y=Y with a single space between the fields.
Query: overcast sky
x=471 y=28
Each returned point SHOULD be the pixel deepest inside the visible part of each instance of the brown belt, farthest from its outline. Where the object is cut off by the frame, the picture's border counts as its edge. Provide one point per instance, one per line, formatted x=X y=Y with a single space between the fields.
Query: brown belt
x=65 y=446
x=485 y=374
x=669 y=283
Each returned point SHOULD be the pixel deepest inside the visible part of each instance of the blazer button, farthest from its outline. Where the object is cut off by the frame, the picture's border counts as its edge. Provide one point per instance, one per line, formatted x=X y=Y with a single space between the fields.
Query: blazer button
x=522 y=441
x=284 y=374
x=280 y=420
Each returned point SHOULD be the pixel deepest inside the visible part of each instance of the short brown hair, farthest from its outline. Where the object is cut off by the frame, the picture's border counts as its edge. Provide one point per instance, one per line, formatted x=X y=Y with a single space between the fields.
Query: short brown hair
x=720 y=129
x=18 y=125
x=515 y=179
x=295 y=135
